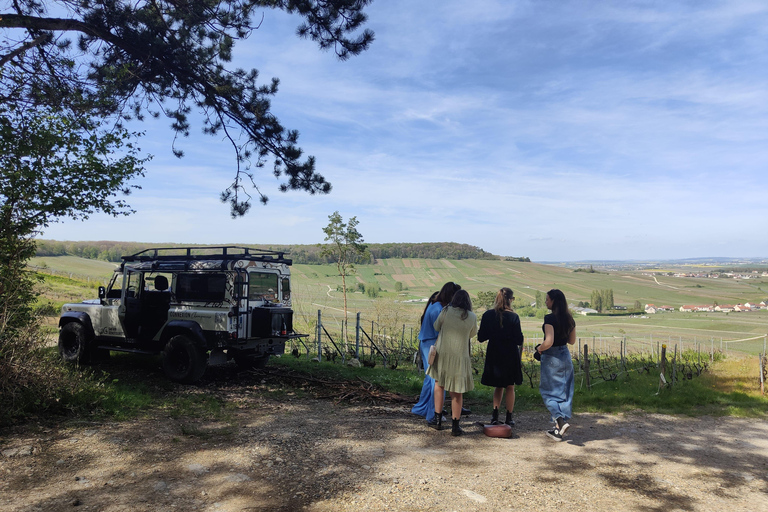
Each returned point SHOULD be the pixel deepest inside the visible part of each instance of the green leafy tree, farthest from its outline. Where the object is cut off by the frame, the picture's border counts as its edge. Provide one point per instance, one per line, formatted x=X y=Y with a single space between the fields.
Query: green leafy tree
x=54 y=164
x=608 y=299
x=346 y=247
x=484 y=300
x=398 y=286
x=166 y=57
x=540 y=302
x=638 y=306
x=596 y=300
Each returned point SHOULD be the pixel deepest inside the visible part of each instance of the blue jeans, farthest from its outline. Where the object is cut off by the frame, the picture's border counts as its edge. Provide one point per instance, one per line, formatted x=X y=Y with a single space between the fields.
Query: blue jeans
x=426 y=404
x=556 y=384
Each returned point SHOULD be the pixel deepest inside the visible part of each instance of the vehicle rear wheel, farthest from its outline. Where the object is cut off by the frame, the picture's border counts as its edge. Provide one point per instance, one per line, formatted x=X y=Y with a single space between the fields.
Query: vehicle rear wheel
x=183 y=361
x=73 y=343
x=250 y=362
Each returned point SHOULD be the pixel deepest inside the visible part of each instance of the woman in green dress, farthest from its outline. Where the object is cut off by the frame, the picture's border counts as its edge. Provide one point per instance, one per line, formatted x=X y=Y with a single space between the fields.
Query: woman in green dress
x=452 y=368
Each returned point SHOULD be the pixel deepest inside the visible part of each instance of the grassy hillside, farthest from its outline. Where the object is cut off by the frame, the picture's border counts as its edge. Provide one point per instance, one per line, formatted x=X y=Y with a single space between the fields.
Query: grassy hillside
x=82 y=268
x=315 y=288
x=421 y=277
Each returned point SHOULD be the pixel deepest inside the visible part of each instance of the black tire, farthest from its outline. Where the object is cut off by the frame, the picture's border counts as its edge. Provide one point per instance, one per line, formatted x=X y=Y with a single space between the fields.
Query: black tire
x=73 y=343
x=183 y=361
x=250 y=362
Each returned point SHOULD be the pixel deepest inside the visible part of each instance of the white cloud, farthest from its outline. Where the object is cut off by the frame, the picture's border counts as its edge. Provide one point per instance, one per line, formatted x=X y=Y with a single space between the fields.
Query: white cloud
x=555 y=130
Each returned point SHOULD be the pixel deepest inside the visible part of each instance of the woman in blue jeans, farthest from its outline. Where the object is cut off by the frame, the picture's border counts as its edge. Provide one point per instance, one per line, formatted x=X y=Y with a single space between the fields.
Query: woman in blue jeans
x=427 y=337
x=556 y=384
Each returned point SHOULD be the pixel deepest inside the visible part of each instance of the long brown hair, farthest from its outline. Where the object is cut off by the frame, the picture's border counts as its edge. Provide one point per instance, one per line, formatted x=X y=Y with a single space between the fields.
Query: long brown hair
x=446 y=293
x=430 y=301
x=503 y=303
x=561 y=311
x=462 y=301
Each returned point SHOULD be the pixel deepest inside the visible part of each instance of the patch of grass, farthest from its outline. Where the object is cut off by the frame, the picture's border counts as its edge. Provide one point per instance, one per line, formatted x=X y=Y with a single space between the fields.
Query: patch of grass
x=130 y=385
x=401 y=381
x=718 y=392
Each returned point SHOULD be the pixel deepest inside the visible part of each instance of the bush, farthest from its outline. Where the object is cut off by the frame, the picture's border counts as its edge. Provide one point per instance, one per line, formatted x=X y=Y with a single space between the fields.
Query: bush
x=34 y=381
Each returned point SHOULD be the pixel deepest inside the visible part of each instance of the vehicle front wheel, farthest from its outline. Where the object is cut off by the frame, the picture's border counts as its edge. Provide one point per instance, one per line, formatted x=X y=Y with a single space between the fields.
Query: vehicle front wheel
x=73 y=343
x=183 y=361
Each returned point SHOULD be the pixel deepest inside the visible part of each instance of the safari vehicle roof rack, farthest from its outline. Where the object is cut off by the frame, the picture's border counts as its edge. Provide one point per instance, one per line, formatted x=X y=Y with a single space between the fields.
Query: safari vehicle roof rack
x=198 y=253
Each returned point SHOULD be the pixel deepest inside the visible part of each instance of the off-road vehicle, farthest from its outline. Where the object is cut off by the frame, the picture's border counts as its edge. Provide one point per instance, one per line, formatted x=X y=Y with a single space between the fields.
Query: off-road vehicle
x=194 y=305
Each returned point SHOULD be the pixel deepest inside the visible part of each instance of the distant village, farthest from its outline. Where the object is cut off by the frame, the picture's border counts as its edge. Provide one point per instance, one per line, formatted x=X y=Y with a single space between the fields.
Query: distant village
x=753 y=274
x=723 y=308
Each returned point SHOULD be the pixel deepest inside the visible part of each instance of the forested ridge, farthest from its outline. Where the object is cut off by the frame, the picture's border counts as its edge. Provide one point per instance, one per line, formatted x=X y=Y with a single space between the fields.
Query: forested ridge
x=302 y=254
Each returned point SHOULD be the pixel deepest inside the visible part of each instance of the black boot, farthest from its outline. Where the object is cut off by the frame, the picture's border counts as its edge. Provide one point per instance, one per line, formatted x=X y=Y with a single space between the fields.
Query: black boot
x=456 y=429
x=495 y=416
x=509 y=421
x=436 y=422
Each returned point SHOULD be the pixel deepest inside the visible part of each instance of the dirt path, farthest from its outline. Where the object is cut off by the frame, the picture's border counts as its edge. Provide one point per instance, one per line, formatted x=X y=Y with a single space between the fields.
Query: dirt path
x=312 y=455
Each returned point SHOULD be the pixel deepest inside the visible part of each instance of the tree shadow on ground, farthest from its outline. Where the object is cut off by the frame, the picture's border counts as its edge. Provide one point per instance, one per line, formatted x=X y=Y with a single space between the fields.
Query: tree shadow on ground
x=277 y=448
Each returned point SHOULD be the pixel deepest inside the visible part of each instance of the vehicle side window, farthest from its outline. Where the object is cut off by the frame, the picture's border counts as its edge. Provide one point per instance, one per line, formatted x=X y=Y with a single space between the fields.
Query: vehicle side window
x=114 y=290
x=286 y=288
x=263 y=286
x=201 y=287
x=132 y=286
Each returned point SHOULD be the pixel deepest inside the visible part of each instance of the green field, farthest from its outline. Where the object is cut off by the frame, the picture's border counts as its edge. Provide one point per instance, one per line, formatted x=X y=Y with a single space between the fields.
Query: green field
x=79 y=268
x=314 y=288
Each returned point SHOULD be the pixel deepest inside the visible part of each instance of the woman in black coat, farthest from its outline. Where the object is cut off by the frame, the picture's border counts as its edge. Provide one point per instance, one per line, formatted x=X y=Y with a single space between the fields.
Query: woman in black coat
x=500 y=326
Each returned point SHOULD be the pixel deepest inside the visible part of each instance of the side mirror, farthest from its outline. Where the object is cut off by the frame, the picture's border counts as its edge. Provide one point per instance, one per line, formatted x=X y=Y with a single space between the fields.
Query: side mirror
x=102 y=292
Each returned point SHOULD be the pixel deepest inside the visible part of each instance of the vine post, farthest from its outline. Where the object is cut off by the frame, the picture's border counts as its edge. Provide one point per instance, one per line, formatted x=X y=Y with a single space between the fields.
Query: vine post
x=357 y=336
x=586 y=365
x=318 y=334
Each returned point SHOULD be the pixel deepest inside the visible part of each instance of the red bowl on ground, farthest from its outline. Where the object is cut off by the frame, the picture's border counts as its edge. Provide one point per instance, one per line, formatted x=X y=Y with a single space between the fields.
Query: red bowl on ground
x=500 y=430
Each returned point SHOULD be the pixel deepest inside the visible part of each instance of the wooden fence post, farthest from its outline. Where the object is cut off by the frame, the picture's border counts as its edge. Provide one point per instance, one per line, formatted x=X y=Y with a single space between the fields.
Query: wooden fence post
x=674 y=367
x=663 y=364
x=357 y=336
x=586 y=365
x=319 y=330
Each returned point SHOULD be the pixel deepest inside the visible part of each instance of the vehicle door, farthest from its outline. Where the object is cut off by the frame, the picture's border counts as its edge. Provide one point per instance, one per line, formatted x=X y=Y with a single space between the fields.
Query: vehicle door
x=130 y=308
x=109 y=323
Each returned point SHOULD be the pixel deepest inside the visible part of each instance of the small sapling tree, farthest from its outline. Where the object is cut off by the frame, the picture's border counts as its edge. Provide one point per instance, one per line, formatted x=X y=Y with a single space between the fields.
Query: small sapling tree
x=346 y=248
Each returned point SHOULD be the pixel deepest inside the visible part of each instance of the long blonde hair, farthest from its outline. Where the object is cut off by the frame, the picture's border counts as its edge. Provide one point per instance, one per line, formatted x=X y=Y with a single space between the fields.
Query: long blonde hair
x=503 y=303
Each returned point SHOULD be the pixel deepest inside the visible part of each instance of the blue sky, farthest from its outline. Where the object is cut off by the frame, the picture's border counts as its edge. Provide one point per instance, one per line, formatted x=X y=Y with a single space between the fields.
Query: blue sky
x=558 y=130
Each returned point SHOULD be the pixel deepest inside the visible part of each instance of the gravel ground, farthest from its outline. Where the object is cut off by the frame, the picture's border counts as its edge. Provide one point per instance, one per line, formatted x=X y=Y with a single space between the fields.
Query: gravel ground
x=315 y=455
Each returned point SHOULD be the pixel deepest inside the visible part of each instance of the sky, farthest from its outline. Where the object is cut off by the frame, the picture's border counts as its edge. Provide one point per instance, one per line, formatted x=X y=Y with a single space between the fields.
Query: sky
x=560 y=130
